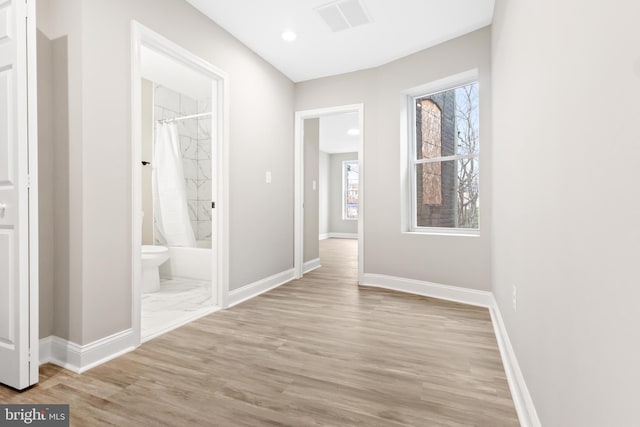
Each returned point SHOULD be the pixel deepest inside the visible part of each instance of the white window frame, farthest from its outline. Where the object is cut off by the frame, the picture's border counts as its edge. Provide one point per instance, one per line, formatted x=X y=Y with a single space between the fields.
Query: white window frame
x=412 y=95
x=344 y=189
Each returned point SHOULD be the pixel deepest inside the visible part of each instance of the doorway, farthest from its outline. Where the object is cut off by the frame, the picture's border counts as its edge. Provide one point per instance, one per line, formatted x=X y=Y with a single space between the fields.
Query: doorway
x=179 y=185
x=328 y=189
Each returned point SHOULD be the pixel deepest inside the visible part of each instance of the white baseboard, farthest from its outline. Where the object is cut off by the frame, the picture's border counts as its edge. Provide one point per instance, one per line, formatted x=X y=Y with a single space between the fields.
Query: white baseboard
x=247 y=292
x=81 y=358
x=325 y=236
x=428 y=289
x=525 y=408
x=44 y=350
x=310 y=265
x=343 y=235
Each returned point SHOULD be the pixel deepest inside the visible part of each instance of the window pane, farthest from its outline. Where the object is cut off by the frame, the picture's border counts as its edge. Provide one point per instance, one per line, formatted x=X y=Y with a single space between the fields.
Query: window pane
x=467 y=131
x=447 y=123
x=447 y=194
x=429 y=129
x=351 y=180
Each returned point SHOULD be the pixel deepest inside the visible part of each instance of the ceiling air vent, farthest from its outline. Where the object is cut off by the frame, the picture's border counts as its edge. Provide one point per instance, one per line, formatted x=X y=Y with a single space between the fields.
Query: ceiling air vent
x=343 y=14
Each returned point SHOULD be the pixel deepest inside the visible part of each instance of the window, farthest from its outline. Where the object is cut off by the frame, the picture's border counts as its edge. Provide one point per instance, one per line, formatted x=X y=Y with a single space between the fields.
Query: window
x=350 y=180
x=444 y=159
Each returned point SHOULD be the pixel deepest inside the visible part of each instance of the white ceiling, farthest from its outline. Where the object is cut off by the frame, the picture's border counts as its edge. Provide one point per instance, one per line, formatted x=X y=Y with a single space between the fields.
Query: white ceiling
x=398 y=28
x=333 y=133
x=169 y=73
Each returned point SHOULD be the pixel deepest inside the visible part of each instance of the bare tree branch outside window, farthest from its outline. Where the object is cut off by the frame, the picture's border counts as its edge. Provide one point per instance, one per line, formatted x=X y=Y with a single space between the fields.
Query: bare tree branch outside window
x=467 y=143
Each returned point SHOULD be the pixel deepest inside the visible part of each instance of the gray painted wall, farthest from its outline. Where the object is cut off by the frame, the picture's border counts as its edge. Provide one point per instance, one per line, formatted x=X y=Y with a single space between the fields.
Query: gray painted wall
x=46 y=188
x=387 y=249
x=53 y=180
x=99 y=161
x=336 y=223
x=61 y=23
x=311 y=196
x=323 y=193
x=566 y=141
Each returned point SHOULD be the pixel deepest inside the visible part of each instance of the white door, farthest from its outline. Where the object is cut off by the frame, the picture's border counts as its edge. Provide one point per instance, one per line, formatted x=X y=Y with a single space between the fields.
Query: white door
x=18 y=201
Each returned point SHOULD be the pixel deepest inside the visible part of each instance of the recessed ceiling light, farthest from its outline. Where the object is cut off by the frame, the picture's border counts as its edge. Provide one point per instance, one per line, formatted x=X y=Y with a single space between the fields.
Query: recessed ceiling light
x=289 y=36
x=354 y=132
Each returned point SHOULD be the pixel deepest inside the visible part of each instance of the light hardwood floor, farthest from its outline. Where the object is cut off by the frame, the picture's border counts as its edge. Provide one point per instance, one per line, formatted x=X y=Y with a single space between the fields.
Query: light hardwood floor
x=319 y=351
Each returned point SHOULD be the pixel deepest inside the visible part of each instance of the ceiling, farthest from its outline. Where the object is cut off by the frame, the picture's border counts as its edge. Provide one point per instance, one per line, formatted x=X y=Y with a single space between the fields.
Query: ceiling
x=333 y=133
x=397 y=28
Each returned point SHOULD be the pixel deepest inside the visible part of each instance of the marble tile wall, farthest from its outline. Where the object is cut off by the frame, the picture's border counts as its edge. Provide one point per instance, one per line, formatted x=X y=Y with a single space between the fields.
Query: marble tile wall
x=195 y=144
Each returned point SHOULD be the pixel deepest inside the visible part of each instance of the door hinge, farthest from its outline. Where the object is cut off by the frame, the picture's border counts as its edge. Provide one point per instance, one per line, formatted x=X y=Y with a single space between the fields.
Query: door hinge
x=28 y=181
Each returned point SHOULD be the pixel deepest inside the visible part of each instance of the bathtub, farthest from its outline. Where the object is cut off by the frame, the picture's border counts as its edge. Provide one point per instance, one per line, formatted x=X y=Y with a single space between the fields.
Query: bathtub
x=203 y=244
x=189 y=263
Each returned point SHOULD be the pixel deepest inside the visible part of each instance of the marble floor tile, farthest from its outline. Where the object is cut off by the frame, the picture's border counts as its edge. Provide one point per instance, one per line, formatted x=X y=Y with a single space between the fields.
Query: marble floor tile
x=177 y=301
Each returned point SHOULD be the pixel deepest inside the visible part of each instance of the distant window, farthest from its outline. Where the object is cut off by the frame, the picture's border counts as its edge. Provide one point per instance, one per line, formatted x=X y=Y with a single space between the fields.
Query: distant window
x=444 y=159
x=350 y=180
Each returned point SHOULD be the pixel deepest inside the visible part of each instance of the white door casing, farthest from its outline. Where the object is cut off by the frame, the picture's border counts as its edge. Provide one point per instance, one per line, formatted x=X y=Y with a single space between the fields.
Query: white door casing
x=144 y=37
x=18 y=196
x=300 y=117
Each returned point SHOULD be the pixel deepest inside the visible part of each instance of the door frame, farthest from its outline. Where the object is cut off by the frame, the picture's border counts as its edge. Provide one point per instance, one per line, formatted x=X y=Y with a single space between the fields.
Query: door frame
x=32 y=182
x=142 y=36
x=300 y=117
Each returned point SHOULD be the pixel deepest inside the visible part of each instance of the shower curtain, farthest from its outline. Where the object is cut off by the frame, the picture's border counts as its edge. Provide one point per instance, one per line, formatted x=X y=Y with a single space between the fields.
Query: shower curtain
x=170 y=209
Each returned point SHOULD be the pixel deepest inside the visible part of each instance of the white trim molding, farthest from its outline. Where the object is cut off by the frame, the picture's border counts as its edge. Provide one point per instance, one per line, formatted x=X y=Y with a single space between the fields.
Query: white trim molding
x=80 y=358
x=429 y=289
x=254 y=289
x=310 y=265
x=522 y=400
x=343 y=235
x=142 y=36
x=298 y=238
x=326 y=236
x=45 y=345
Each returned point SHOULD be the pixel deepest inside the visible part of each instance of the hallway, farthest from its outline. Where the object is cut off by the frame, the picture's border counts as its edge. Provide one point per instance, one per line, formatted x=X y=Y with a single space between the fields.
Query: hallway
x=316 y=351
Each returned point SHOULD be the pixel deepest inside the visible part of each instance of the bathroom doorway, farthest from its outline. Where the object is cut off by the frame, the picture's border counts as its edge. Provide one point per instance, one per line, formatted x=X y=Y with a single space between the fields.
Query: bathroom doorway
x=179 y=168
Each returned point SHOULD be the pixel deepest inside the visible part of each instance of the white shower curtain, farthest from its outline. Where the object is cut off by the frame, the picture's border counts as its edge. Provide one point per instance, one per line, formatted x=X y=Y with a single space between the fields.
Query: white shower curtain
x=171 y=212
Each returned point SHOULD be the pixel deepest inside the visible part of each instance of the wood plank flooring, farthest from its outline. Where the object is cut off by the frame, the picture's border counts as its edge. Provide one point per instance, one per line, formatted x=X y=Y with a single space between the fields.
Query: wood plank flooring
x=319 y=351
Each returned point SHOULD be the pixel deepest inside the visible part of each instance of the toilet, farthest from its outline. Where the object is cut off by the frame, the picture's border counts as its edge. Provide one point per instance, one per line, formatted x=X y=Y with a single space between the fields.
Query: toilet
x=152 y=258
